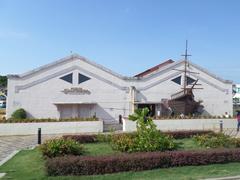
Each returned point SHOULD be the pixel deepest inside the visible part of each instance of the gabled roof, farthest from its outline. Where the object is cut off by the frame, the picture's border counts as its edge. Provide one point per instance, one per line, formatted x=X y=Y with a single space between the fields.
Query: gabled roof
x=155 y=68
x=63 y=61
x=160 y=68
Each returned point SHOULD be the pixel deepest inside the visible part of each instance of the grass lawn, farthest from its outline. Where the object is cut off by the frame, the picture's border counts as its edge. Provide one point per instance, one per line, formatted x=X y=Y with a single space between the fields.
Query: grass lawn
x=188 y=144
x=98 y=149
x=29 y=164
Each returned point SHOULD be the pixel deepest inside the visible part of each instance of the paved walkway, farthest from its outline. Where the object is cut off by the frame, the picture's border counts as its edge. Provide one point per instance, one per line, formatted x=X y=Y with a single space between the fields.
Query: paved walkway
x=232 y=132
x=9 y=144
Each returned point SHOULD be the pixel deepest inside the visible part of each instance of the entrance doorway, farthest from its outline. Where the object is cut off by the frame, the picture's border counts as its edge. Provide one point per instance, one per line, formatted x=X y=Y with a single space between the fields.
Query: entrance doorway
x=151 y=107
x=76 y=110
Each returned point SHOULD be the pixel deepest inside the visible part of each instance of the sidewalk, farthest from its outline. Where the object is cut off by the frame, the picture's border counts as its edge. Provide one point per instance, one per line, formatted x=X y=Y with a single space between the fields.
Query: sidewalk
x=10 y=144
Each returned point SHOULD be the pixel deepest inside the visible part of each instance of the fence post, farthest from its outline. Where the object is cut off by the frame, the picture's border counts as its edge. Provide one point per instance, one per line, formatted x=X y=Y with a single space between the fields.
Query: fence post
x=221 y=126
x=120 y=119
x=39 y=136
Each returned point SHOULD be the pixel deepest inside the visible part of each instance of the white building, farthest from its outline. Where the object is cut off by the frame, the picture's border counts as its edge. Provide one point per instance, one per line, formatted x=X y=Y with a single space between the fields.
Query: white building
x=236 y=97
x=76 y=87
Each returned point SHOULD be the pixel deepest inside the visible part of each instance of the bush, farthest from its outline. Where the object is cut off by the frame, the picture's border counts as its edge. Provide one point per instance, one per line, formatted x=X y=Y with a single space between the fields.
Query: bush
x=123 y=142
x=108 y=137
x=60 y=147
x=236 y=142
x=134 y=143
x=104 y=137
x=147 y=137
x=214 y=140
x=19 y=114
x=82 y=138
x=187 y=134
x=93 y=138
x=74 y=165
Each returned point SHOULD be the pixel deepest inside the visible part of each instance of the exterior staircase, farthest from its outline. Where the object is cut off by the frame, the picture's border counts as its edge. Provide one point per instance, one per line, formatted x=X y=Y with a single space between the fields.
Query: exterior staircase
x=112 y=126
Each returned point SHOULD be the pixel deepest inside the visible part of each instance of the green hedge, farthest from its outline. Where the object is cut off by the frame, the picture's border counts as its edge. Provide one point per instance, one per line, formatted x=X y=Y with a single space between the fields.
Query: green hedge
x=89 y=165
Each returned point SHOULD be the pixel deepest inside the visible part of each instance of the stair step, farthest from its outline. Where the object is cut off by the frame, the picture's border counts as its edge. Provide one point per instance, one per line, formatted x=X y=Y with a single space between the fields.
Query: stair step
x=112 y=127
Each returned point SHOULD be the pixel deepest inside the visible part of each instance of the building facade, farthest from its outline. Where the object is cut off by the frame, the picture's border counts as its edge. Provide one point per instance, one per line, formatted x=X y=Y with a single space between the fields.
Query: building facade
x=236 y=95
x=76 y=87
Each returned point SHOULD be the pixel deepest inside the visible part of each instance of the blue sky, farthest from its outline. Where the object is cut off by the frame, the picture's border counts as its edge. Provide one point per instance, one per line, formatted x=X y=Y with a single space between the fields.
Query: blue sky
x=127 y=36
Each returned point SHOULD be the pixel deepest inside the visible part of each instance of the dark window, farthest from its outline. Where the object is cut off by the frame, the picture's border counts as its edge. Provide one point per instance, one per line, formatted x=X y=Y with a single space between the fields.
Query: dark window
x=82 y=78
x=177 y=80
x=68 y=78
x=151 y=108
x=190 y=80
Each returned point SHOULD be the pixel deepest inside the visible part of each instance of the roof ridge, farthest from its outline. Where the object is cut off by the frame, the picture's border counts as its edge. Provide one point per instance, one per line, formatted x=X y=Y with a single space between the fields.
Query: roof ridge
x=154 y=68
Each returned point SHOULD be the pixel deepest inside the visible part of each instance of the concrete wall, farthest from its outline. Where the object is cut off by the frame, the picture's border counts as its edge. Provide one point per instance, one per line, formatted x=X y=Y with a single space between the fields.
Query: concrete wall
x=184 y=124
x=8 y=129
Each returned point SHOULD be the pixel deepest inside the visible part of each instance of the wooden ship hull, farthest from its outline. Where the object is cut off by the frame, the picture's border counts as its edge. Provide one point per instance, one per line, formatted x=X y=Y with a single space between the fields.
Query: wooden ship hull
x=183 y=103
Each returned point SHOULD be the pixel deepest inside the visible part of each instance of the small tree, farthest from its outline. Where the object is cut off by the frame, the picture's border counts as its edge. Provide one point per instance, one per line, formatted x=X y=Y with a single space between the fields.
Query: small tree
x=148 y=138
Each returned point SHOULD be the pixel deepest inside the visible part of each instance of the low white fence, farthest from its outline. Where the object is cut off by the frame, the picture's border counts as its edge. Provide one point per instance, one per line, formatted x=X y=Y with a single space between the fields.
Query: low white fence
x=7 y=129
x=184 y=124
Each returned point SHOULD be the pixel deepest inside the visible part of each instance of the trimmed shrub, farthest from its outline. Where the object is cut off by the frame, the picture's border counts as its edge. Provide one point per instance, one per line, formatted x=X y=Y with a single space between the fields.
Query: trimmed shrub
x=82 y=138
x=107 y=137
x=236 y=142
x=124 y=142
x=104 y=137
x=188 y=134
x=215 y=140
x=93 y=138
x=19 y=114
x=60 y=147
x=74 y=165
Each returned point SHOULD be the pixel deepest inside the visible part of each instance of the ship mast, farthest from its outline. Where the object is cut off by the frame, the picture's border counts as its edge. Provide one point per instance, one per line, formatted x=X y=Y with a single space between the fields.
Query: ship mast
x=186 y=55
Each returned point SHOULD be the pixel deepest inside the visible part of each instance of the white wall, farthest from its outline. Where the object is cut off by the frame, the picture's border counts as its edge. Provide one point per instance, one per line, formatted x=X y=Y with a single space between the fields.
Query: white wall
x=9 y=129
x=184 y=124
x=38 y=100
x=37 y=93
x=216 y=95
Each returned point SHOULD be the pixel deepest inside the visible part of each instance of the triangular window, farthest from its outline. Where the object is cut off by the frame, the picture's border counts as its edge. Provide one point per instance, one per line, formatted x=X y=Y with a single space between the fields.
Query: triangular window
x=68 y=78
x=82 y=78
x=177 y=80
x=190 y=80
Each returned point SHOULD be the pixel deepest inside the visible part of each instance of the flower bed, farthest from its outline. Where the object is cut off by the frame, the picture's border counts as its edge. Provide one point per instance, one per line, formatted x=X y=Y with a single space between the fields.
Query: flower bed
x=145 y=149
x=76 y=165
x=106 y=137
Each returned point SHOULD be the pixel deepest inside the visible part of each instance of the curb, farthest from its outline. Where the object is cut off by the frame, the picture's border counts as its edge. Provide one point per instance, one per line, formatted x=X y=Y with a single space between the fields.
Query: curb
x=225 y=178
x=2 y=175
x=8 y=157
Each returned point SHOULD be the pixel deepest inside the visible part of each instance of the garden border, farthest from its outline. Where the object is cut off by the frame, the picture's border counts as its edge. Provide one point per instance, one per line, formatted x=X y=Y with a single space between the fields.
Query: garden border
x=89 y=165
x=93 y=138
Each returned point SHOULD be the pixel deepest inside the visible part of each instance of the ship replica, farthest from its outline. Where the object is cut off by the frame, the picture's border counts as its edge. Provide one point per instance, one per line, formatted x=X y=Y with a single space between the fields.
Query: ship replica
x=183 y=102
